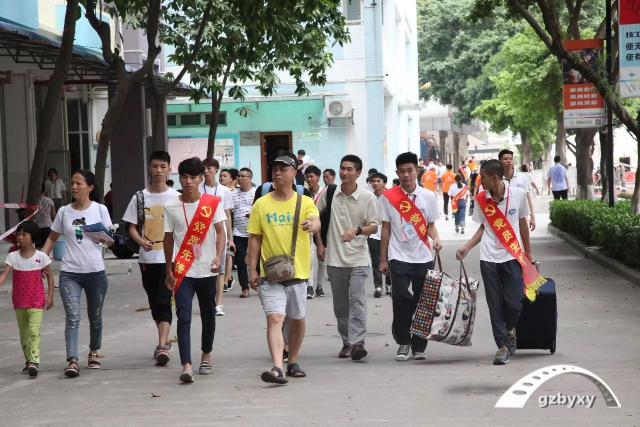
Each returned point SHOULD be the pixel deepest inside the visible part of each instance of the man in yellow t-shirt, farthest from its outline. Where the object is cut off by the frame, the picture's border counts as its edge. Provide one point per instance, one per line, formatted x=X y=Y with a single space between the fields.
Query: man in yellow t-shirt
x=448 y=178
x=271 y=233
x=429 y=179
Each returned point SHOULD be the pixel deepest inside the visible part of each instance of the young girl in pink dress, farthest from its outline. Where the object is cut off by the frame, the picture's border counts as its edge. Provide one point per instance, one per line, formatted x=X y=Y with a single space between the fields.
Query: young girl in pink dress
x=28 y=297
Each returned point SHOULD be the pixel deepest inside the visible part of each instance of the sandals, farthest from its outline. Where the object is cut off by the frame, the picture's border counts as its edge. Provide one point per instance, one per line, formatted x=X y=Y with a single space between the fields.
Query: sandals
x=72 y=370
x=94 y=364
x=269 y=377
x=32 y=369
x=205 y=368
x=294 y=371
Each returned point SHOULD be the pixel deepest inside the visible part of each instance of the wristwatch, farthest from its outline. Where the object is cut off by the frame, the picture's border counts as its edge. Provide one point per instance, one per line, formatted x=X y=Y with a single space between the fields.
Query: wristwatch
x=359 y=231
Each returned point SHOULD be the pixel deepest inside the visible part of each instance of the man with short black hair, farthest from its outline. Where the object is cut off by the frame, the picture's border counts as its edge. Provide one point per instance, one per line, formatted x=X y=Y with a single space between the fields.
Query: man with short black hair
x=318 y=268
x=354 y=216
x=378 y=182
x=242 y=203
x=408 y=214
x=210 y=186
x=303 y=162
x=271 y=229
x=501 y=207
x=368 y=180
x=558 y=180
x=145 y=215
x=514 y=178
x=194 y=241
x=329 y=177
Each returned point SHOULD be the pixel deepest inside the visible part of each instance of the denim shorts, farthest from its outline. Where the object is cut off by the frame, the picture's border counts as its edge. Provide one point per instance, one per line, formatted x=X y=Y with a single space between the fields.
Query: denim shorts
x=289 y=300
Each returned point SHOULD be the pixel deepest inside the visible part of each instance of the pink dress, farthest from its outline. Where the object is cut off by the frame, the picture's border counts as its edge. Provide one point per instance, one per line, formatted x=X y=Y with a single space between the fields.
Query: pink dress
x=28 y=287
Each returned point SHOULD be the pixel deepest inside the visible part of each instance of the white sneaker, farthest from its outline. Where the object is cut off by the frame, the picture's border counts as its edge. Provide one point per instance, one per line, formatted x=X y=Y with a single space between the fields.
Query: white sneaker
x=419 y=355
x=219 y=311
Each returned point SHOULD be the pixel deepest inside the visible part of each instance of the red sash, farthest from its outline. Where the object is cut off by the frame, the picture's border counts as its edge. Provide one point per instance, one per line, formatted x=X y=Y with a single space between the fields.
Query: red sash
x=408 y=211
x=454 y=200
x=505 y=234
x=196 y=232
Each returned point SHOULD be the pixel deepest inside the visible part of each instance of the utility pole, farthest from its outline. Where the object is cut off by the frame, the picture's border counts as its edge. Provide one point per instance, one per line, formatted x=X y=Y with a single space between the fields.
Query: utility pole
x=609 y=112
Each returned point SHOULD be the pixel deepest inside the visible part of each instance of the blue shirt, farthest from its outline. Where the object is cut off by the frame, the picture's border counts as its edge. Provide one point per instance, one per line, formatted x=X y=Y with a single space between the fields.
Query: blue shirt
x=558 y=175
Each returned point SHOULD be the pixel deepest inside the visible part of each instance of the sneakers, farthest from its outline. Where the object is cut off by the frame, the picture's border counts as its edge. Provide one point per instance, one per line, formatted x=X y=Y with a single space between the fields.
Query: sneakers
x=388 y=289
x=457 y=230
x=161 y=354
x=285 y=355
x=245 y=293
x=25 y=370
x=319 y=292
x=32 y=369
x=446 y=217
x=512 y=343
x=419 y=355
x=403 y=353
x=225 y=288
x=186 y=376
x=462 y=230
x=205 y=368
x=378 y=293
x=309 y=292
x=358 y=352
x=219 y=311
x=231 y=283
x=502 y=357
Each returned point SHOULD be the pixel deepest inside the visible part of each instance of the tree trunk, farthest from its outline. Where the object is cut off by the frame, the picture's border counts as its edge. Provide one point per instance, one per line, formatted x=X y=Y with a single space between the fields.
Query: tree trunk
x=108 y=124
x=548 y=162
x=635 y=199
x=159 y=131
x=213 y=127
x=51 y=103
x=526 y=148
x=584 y=163
x=561 y=147
x=604 y=155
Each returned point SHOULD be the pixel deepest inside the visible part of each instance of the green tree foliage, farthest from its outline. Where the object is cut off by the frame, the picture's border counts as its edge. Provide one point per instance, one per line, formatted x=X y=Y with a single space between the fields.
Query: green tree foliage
x=453 y=51
x=528 y=82
x=252 y=41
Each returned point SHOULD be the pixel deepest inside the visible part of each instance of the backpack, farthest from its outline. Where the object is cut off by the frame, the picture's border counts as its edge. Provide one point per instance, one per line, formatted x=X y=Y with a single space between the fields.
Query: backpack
x=325 y=215
x=266 y=187
x=131 y=244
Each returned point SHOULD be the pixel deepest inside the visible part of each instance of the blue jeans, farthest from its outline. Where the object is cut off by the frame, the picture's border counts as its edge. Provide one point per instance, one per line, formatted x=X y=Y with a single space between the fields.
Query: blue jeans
x=205 y=289
x=95 y=288
x=461 y=212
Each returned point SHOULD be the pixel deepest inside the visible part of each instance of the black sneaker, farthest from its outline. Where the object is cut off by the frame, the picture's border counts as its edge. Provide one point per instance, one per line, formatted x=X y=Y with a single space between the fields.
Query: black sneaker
x=403 y=353
x=502 y=357
x=285 y=355
x=388 y=289
x=320 y=292
x=231 y=283
x=378 y=293
x=512 y=343
x=226 y=288
x=33 y=369
x=309 y=292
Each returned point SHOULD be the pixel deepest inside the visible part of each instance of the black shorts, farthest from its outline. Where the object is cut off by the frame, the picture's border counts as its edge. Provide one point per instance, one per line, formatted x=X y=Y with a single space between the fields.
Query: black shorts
x=159 y=295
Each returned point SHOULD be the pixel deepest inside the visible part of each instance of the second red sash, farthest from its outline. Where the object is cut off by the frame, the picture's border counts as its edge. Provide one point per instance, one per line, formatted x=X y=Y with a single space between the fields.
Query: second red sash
x=456 y=198
x=196 y=232
x=409 y=212
x=507 y=236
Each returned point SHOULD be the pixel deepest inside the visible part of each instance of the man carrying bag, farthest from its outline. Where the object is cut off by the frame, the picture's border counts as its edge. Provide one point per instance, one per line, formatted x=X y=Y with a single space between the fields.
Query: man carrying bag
x=279 y=227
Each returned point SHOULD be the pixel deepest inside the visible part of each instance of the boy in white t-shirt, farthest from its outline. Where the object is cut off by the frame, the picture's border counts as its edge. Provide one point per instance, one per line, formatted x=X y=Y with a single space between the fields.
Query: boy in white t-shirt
x=205 y=254
x=29 y=301
x=501 y=272
x=145 y=215
x=210 y=186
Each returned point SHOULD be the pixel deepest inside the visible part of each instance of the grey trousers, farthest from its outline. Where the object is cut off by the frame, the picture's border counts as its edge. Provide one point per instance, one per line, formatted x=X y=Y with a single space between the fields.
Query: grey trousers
x=318 y=268
x=349 y=302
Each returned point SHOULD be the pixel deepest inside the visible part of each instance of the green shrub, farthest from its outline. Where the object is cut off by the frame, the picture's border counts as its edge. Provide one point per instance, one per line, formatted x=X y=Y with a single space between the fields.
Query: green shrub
x=626 y=196
x=594 y=223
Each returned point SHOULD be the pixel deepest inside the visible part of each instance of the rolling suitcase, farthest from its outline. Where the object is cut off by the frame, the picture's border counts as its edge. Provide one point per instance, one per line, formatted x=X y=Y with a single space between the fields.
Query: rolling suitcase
x=538 y=322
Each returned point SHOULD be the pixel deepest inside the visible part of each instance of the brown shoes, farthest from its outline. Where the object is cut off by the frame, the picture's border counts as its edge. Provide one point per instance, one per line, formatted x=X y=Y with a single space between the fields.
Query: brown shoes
x=358 y=352
x=245 y=293
x=345 y=352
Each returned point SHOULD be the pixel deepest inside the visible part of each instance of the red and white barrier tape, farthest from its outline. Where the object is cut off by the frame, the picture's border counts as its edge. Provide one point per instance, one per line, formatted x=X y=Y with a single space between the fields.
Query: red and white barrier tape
x=17 y=206
x=8 y=235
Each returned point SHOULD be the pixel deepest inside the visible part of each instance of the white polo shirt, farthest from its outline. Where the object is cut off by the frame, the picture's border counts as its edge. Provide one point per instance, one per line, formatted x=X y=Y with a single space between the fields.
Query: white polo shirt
x=400 y=248
x=518 y=180
x=491 y=249
x=359 y=209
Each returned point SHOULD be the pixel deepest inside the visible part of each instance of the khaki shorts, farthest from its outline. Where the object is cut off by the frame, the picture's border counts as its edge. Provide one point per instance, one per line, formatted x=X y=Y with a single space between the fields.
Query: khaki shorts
x=289 y=300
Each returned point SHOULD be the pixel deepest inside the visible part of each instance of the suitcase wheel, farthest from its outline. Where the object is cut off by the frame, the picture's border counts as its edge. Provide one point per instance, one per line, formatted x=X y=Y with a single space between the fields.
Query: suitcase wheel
x=553 y=347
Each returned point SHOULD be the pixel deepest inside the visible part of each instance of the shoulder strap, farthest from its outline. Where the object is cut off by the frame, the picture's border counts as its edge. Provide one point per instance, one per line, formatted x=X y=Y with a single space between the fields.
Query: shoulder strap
x=140 y=206
x=62 y=212
x=330 y=192
x=296 y=221
x=265 y=188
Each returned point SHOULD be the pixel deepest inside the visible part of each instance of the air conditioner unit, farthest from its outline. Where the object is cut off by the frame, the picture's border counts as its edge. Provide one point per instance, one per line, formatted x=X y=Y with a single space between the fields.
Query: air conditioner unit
x=338 y=109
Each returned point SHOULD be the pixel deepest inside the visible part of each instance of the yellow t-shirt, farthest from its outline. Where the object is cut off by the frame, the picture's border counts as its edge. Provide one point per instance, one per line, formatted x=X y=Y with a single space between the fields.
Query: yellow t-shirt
x=274 y=221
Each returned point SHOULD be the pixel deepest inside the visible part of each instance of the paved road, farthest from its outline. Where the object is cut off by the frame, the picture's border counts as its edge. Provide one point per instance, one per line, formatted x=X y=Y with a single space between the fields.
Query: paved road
x=598 y=329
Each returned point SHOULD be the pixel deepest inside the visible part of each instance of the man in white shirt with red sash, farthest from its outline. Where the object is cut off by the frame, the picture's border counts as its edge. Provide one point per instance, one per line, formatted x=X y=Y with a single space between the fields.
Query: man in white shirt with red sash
x=408 y=213
x=194 y=243
x=505 y=255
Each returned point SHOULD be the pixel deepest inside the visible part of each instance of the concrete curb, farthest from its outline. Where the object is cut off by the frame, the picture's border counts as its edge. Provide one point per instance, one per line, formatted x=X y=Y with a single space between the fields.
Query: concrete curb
x=593 y=253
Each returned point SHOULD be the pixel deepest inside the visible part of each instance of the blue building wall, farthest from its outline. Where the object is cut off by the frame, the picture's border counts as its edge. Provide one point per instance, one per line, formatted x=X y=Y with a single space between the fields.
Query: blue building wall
x=20 y=12
x=85 y=36
x=298 y=115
